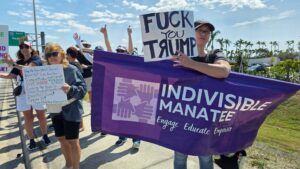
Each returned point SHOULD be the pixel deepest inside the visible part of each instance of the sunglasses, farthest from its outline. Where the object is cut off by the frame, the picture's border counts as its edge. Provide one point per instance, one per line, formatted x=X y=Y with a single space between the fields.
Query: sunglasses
x=50 y=54
x=121 y=51
x=24 y=46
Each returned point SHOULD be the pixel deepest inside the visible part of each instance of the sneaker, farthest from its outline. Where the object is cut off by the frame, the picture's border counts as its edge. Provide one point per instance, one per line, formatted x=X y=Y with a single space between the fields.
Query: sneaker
x=120 y=142
x=46 y=139
x=136 y=145
x=103 y=134
x=32 y=145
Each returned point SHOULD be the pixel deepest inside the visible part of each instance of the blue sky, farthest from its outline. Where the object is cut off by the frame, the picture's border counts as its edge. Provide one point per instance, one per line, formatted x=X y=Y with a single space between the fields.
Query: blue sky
x=252 y=20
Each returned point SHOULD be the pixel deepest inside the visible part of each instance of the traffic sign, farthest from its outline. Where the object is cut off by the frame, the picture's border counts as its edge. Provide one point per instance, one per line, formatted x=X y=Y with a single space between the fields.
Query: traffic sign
x=14 y=37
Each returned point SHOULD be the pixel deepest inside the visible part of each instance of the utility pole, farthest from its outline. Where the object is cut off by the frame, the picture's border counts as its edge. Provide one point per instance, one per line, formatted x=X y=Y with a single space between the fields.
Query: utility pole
x=35 y=27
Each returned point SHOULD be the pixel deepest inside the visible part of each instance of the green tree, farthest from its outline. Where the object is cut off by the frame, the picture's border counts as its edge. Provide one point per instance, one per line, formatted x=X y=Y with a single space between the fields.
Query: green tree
x=290 y=44
x=287 y=70
x=221 y=42
x=213 y=36
x=284 y=55
x=258 y=43
x=227 y=43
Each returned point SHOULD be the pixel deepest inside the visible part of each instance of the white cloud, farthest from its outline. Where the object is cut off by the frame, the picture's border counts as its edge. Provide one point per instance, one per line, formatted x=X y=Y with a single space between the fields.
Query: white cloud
x=27 y=14
x=29 y=1
x=108 y=20
x=51 y=37
x=110 y=17
x=40 y=23
x=236 y=4
x=162 y=5
x=262 y=19
x=134 y=5
x=69 y=1
x=63 y=30
x=57 y=15
x=100 y=5
x=167 y=5
x=13 y=13
x=233 y=4
x=80 y=28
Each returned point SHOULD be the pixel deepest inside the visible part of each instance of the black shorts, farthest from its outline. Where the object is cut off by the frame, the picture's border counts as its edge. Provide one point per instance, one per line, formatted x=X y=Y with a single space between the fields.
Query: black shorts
x=65 y=128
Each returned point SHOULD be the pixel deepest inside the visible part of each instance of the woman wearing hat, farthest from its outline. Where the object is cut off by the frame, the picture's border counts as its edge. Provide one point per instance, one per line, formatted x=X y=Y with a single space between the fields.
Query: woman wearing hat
x=27 y=57
x=212 y=64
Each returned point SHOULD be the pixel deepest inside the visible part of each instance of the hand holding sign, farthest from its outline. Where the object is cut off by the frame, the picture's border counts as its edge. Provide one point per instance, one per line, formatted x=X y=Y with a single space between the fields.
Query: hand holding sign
x=181 y=59
x=7 y=59
x=66 y=87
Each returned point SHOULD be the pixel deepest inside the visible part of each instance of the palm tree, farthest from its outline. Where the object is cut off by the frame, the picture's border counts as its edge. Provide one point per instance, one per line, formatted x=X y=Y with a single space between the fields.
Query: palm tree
x=258 y=43
x=271 y=45
x=212 y=38
x=276 y=46
x=221 y=42
x=227 y=43
x=290 y=45
x=238 y=44
x=263 y=44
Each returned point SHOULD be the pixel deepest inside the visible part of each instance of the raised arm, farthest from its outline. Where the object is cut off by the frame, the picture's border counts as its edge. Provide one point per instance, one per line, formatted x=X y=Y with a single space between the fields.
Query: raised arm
x=76 y=37
x=130 y=46
x=106 y=40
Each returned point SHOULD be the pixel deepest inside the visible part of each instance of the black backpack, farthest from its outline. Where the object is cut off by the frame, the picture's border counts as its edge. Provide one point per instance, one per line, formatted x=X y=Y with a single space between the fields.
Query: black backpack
x=231 y=162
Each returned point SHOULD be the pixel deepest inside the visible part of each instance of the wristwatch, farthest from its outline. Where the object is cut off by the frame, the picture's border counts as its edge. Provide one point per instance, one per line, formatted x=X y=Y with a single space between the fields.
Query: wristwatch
x=14 y=64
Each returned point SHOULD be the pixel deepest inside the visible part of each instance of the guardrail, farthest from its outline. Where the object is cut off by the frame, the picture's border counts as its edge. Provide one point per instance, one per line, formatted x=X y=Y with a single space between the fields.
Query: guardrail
x=22 y=135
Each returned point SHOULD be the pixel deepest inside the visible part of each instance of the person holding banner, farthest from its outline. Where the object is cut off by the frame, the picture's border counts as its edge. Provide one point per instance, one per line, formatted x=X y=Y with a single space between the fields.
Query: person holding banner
x=213 y=64
x=121 y=49
x=66 y=123
x=27 y=56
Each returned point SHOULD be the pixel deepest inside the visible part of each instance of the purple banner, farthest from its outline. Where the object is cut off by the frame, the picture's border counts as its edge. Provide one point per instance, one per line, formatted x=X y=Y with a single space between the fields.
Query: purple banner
x=179 y=108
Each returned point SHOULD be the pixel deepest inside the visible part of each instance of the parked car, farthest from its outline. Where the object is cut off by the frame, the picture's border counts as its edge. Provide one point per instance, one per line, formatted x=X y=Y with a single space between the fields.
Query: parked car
x=256 y=67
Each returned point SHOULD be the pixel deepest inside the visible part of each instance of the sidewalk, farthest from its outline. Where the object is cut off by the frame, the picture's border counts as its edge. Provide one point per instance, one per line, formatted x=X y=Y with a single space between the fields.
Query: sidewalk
x=10 y=147
x=96 y=152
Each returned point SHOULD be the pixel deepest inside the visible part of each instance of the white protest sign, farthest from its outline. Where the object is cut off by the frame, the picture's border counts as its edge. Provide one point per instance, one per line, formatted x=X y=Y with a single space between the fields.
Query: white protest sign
x=43 y=84
x=3 y=47
x=165 y=33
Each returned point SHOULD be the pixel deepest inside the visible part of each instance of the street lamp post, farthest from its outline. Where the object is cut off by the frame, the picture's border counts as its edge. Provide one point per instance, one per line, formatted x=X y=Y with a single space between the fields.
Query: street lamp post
x=35 y=27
